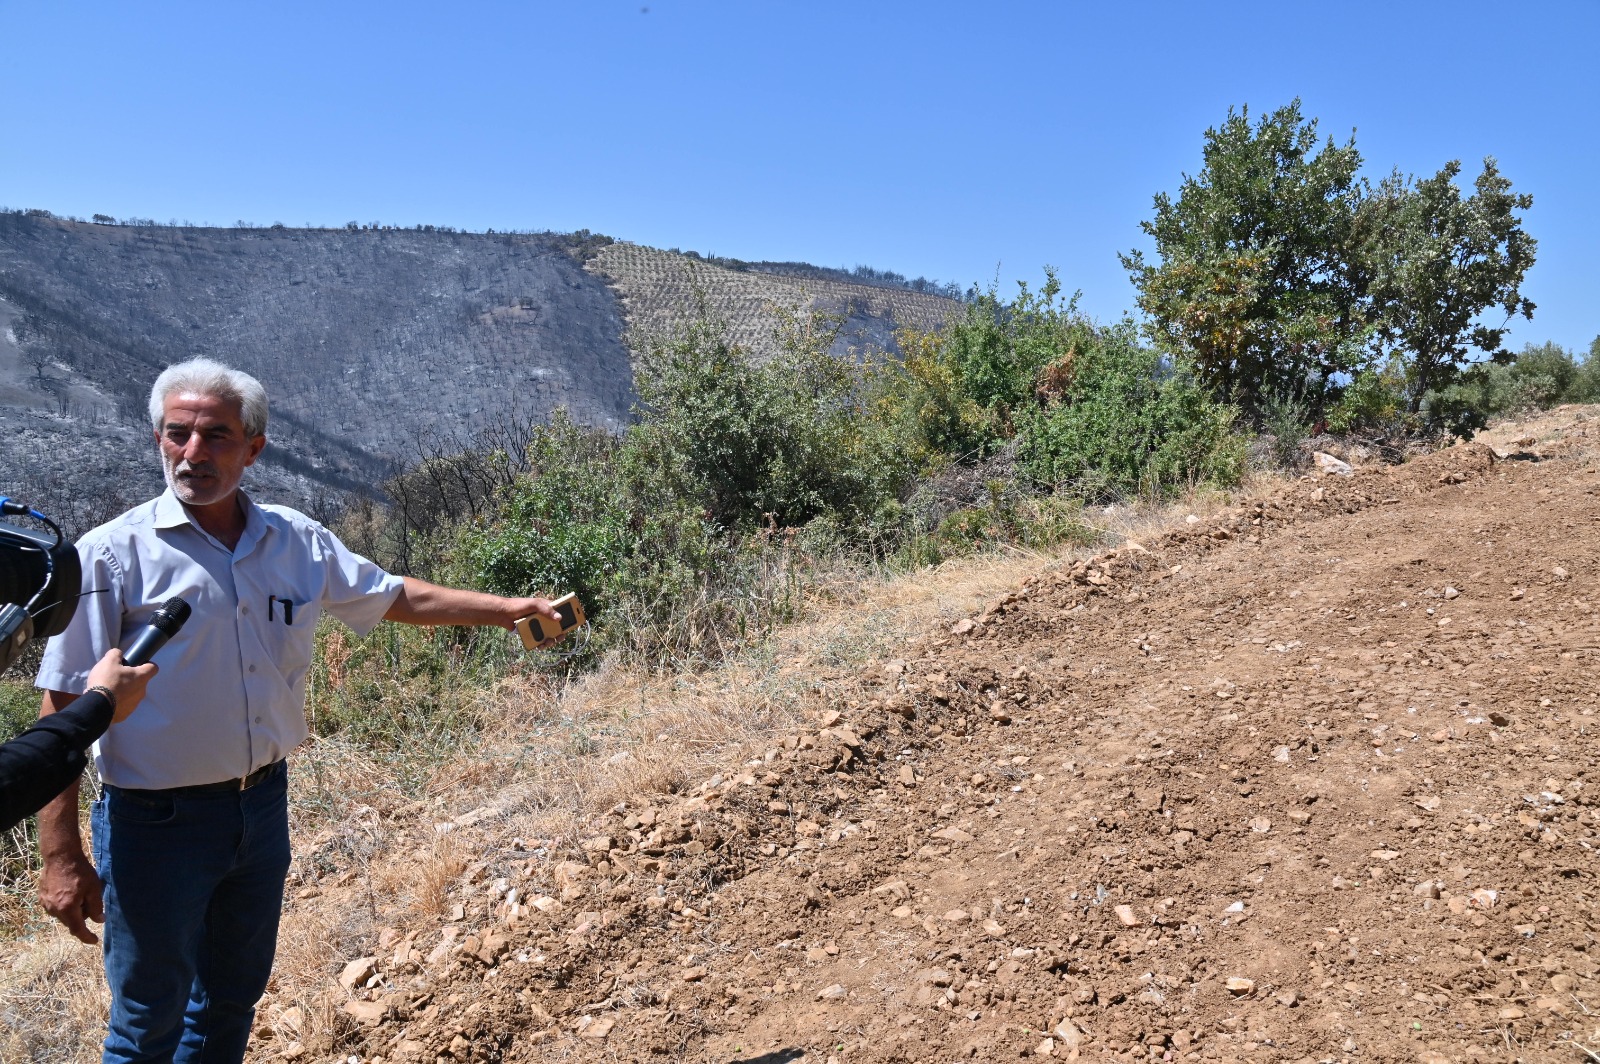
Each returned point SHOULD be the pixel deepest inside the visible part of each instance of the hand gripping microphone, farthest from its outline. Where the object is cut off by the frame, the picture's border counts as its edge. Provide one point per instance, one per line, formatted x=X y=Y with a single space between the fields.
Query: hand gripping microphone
x=164 y=624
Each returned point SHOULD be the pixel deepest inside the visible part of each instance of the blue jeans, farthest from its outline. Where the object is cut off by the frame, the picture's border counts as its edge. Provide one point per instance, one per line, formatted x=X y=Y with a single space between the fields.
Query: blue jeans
x=193 y=889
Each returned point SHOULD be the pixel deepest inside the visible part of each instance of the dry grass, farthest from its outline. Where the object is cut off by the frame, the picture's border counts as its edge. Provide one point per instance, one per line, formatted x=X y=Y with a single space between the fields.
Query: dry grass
x=53 y=1002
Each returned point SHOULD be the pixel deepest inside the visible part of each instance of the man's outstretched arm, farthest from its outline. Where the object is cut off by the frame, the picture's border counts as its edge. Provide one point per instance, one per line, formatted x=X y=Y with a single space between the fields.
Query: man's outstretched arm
x=420 y=602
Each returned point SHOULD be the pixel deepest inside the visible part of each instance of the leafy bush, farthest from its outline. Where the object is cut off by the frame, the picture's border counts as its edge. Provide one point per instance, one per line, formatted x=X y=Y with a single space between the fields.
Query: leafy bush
x=1374 y=401
x=918 y=399
x=1287 y=420
x=563 y=525
x=1542 y=376
x=999 y=349
x=1125 y=421
x=776 y=444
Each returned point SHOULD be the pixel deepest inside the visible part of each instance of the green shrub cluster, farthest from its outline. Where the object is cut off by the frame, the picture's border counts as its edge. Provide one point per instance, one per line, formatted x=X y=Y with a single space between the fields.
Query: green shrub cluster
x=705 y=522
x=1537 y=378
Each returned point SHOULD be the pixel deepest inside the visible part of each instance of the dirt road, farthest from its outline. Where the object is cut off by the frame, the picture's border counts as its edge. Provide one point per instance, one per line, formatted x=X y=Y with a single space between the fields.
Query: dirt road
x=1312 y=780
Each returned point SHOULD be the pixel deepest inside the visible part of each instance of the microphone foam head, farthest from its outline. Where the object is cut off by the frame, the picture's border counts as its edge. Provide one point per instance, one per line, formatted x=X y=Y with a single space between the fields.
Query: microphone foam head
x=170 y=615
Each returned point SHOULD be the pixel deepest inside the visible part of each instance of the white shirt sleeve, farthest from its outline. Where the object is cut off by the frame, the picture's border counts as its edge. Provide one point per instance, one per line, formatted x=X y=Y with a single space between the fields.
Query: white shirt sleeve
x=95 y=628
x=357 y=591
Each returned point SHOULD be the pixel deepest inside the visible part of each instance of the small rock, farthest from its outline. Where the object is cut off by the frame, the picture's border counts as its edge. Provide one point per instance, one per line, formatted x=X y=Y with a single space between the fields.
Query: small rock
x=1331 y=466
x=1260 y=825
x=1193 y=520
x=1126 y=914
x=993 y=929
x=933 y=977
x=1045 y=1048
x=907 y=776
x=1559 y=573
x=357 y=972
x=1239 y=986
x=1281 y=755
x=1517 y=593
x=963 y=626
x=1499 y=720
x=368 y=1013
x=999 y=714
x=1428 y=888
x=695 y=974
x=1550 y=1004
x=597 y=1029
x=1484 y=899
x=1511 y=1012
x=1068 y=1034
x=835 y=992
x=1288 y=999
x=902 y=912
x=1442 y=735
x=1451 y=593
x=957 y=916
x=952 y=834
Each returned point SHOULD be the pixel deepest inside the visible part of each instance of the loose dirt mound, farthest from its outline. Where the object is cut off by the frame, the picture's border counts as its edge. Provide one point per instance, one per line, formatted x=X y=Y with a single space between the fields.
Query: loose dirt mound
x=1309 y=781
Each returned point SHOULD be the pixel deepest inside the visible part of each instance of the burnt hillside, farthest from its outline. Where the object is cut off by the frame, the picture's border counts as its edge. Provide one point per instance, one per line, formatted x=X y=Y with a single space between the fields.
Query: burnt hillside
x=372 y=343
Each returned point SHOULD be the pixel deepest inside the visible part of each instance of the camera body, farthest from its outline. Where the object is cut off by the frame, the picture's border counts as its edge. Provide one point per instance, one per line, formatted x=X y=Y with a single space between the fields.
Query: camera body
x=40 y=576
x=535 y=629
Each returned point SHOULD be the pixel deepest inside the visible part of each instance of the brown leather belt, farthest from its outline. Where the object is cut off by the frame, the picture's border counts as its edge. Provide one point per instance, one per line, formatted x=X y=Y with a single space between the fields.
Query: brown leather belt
x=243 y=783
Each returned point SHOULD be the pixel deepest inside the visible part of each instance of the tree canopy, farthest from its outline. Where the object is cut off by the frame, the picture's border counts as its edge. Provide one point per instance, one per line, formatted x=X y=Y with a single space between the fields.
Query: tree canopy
x=1281 y=275
x=1255 y=282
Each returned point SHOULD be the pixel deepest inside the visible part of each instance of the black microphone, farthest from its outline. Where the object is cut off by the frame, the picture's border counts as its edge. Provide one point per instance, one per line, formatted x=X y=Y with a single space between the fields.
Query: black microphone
x=164 y=624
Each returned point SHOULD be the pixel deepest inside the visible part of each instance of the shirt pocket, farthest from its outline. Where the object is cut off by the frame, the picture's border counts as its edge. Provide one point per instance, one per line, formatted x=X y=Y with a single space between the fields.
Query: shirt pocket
x=288 y=628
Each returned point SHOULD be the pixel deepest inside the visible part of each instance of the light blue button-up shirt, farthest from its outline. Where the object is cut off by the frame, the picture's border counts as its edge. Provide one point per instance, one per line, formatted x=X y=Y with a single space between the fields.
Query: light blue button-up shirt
x=230 y=696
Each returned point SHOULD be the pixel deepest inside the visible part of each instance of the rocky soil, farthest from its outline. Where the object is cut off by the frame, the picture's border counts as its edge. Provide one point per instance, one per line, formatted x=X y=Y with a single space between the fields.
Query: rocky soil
x=1311 y=780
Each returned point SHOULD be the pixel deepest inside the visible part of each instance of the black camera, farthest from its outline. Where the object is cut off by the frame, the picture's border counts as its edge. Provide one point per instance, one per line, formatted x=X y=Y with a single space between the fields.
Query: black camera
x=39 y=580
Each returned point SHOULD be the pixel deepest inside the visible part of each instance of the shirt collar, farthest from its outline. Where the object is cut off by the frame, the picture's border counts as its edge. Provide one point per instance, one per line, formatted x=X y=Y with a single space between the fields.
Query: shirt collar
x=170 y=513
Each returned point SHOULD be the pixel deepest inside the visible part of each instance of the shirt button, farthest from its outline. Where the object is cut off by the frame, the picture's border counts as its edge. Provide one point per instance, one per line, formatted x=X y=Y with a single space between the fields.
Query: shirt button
x=252 y=668
x=258 y=720
x=244 y=609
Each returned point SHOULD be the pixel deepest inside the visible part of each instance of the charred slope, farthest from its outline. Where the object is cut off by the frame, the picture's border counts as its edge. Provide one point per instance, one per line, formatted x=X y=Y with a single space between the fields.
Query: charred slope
x=368 y=340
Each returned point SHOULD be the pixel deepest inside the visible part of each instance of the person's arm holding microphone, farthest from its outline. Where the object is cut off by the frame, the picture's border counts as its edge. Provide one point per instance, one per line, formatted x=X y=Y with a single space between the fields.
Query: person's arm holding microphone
x=43 y=761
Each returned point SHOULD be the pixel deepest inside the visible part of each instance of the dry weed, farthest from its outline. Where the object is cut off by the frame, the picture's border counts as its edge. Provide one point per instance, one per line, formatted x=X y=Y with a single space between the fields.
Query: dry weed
x=53 y=1002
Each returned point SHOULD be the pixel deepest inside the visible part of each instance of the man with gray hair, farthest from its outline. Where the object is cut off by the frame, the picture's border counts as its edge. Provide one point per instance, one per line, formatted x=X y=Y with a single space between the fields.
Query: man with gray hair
x=190 y=836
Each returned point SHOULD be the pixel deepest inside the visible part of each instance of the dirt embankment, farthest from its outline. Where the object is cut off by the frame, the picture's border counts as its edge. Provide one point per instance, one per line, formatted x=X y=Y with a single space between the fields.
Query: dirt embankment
x=1312 y=780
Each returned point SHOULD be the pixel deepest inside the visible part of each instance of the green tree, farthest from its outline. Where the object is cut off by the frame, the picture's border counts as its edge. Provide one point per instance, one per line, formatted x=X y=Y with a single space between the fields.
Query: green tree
x=1255 y=284
x=1438 y=262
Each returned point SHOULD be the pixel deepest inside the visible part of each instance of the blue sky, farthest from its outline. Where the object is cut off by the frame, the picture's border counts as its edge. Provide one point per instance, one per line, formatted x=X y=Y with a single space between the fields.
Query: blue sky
x=960 y=141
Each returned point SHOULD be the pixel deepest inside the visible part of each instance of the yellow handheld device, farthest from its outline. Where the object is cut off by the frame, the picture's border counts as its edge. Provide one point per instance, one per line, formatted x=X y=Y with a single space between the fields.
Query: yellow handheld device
x=535 y=629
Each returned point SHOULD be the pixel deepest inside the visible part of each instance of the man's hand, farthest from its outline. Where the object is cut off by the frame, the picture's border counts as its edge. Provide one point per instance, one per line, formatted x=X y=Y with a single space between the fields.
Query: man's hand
x=534 y=607
x=126 y=683
x=70 y=891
